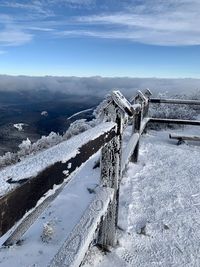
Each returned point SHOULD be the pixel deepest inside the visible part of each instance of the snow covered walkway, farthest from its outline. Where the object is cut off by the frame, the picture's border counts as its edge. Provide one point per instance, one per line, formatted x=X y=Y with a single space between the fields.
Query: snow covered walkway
x=159 y=215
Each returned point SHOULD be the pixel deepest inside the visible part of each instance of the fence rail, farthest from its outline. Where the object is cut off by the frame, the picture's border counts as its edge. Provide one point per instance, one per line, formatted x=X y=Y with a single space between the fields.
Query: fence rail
x=101 y=217
x=175 y=121
x=24 y=197
x=175 y=101
x=184 y=137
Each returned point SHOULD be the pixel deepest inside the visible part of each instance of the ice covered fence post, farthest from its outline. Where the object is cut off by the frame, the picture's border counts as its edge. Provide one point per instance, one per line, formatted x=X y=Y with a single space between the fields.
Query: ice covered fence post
x=144 y=101
x=116 y=111
x=146 y=107
x=110 y=173
x=136 y=129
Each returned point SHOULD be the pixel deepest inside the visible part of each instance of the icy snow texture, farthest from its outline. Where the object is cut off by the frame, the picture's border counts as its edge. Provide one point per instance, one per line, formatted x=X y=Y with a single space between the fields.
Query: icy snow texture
x=19 y=126
x=159 y=207
x=76 y=245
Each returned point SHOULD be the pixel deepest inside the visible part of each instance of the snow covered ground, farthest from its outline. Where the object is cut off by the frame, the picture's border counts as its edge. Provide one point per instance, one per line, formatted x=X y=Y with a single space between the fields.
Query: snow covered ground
x=159 y=215
x=159 y=211
x=19 y=126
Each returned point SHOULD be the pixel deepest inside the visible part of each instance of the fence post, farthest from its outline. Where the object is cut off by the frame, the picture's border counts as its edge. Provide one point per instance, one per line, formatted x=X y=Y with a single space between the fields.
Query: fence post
x=136 y=129
x=146 y=106
x=110 y=175
x=144 y=100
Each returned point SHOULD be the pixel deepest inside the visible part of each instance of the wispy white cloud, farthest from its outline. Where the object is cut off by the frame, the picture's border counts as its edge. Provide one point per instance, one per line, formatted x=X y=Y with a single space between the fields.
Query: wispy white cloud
x=14 y=37
x=152 y=22
x=80 y=2
x=75 y=3
x=2 y=52
x=36 y=28
x=45 y=7
x=11 y=34
x=37 y=6
x=139 y=36
x=23 y=20
x=157 y=22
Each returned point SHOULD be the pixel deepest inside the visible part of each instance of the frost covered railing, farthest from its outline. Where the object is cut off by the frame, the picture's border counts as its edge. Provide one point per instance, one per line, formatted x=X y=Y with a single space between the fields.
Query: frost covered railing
x=23 y=184
x=113 y=161
x=175 y=102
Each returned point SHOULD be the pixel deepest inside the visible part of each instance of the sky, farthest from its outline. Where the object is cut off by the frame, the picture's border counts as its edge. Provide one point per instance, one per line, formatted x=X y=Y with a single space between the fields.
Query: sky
x=110 y=38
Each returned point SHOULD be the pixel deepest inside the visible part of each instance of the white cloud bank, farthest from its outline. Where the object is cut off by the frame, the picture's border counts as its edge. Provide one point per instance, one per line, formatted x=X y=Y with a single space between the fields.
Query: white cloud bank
x=97 y=86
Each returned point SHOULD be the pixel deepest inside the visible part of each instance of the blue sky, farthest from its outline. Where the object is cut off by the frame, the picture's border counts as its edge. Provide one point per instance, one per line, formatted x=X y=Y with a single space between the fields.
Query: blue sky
x=152 y=38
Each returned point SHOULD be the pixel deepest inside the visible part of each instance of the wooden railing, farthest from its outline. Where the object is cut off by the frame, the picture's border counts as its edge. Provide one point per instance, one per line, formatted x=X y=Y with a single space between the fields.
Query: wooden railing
x=100 y=219
x=25 y=195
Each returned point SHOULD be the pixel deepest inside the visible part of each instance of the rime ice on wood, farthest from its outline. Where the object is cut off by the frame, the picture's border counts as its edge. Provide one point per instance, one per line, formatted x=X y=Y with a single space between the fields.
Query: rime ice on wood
x=110 y=173
x=111 y=166
x=136 y=130
x=76 y=245
x=45 y=170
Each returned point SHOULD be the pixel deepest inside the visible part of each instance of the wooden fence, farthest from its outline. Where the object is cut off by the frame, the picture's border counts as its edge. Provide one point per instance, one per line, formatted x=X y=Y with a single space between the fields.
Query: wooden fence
x=100 y=219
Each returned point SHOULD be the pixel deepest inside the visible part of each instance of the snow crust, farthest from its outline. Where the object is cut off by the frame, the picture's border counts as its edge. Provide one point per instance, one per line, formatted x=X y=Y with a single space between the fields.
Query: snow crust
x=76 y=245
x=62 y=152
x=19 y=126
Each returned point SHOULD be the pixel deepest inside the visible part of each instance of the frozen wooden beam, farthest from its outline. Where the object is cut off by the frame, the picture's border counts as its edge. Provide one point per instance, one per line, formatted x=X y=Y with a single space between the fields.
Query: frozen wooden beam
x=110 y=176
x=148 y=92
x=127 y=152
x=74 y=248
x=143 y=97
x=175 y=121
x=144 y=123
x=122 y=102
x=136 y=130
x=175 y=101
x=184 y=137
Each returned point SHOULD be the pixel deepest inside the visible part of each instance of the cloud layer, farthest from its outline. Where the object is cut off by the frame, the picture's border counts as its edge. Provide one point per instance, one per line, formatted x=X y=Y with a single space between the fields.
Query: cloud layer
x=97 y=86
